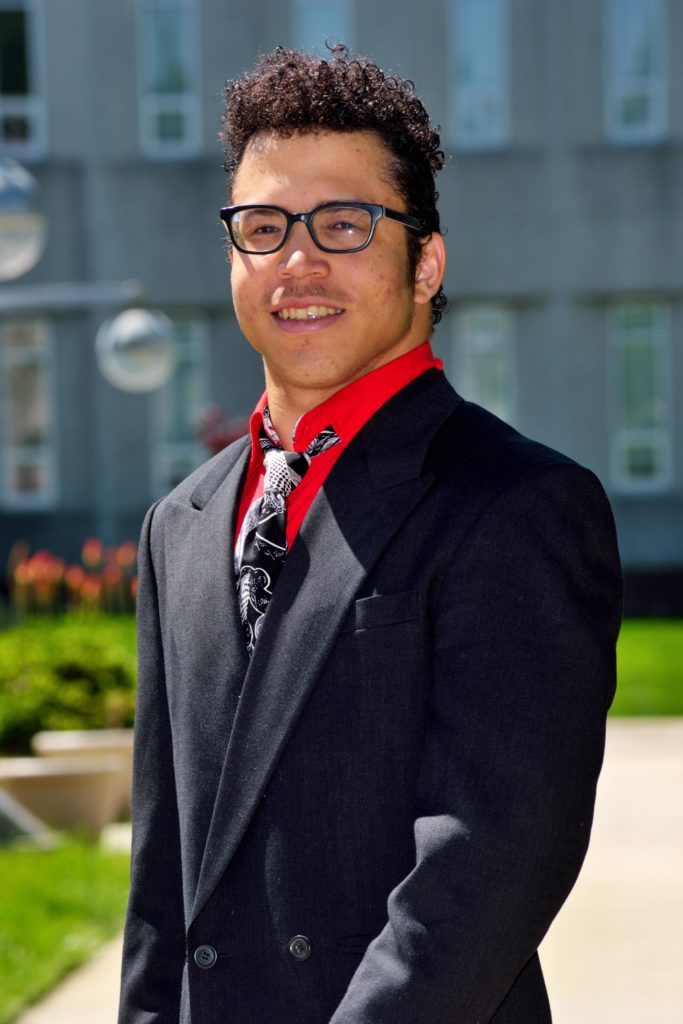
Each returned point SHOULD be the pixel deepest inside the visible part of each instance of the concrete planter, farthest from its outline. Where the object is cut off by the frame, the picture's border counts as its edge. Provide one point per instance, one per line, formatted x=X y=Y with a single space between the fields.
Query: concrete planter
x=18 y=825
x=73 y=792
x=92 y=743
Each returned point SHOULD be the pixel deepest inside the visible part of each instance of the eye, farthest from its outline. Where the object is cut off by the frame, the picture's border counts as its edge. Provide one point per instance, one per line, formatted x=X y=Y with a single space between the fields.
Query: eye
x=265 y=229
x=343 y=225
x=343 y=220
x=259 y=223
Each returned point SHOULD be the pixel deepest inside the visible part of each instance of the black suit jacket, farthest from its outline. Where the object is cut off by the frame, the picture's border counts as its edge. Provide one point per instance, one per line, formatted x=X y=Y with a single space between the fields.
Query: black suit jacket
x=404 y=775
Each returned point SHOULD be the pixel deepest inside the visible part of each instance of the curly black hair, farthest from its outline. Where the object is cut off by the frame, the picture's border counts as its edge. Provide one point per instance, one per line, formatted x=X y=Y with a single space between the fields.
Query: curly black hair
x=290 y=91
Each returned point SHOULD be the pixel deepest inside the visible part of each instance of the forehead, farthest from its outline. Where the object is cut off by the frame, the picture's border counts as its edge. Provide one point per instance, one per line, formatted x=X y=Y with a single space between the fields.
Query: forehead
x=315 y=167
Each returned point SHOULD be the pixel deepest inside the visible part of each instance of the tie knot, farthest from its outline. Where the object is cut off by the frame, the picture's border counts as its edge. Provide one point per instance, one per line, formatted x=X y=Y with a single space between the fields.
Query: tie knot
x=281 y=476
x=285 y=470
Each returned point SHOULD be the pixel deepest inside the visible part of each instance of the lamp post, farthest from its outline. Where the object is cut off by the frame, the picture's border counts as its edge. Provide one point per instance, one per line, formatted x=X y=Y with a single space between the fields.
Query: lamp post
x=136 y=350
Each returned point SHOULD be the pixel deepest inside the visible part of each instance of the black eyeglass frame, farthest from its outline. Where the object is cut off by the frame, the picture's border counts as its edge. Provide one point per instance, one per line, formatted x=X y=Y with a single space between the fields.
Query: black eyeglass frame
x=374 y=209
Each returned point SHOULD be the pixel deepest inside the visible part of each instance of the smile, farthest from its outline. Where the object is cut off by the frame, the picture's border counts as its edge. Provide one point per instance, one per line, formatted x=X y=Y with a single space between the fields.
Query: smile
x=307 y=313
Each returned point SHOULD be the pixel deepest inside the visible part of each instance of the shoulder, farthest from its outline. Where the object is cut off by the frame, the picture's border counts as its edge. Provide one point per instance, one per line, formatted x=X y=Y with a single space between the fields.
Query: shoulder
x=474 y=456
x=475 y=436
x=491 y=475
x=522 y=510
x=478 y=447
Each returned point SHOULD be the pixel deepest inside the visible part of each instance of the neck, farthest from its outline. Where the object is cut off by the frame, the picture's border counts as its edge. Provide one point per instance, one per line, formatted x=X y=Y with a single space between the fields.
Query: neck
x=287 y=405
x=288 y=401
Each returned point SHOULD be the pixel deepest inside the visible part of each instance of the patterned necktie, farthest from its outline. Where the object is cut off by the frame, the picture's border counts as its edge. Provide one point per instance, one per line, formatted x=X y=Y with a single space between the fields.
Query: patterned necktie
x=262 y=543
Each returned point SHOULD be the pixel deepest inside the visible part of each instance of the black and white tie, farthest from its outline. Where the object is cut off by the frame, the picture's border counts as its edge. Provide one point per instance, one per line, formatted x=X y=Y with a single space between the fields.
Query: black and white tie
x=262 y=543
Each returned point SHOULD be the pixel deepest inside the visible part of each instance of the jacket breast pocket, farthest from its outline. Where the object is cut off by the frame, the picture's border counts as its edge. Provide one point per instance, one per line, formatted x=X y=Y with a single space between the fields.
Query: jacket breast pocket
x=381 y=610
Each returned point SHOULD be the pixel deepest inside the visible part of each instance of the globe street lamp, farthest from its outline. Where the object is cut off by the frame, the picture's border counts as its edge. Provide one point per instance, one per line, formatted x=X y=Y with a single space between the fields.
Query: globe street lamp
x=136 y=351
x=23 y=227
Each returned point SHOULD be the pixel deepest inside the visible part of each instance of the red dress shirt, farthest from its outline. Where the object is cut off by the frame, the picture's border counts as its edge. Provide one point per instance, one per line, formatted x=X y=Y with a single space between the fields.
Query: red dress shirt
x=347 y=410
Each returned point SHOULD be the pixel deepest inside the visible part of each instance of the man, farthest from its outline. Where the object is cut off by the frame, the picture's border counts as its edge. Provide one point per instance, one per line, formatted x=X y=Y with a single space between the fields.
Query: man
x=376 y=636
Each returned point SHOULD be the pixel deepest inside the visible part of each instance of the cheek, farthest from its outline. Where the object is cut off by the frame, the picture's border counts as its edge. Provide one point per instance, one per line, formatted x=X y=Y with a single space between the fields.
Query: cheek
x=245 y=306
x=390 y=276
x=243 y=291
x=390 y=294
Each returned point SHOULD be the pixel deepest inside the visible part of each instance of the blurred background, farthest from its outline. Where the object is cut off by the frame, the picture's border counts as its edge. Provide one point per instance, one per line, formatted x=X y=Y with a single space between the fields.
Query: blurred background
x=122 y=368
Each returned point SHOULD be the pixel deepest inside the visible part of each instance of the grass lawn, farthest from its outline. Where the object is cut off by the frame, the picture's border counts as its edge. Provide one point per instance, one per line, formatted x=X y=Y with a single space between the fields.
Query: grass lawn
x=58 y=906
x=650 y=668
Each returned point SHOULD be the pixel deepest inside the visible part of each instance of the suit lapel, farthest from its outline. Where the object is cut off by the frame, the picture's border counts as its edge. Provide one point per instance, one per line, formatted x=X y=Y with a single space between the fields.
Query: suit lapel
x=208 y=539
x=377 y=482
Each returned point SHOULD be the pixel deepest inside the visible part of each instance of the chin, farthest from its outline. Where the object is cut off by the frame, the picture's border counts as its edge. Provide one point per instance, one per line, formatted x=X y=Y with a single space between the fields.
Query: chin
x=317 y=377
x=317 y=381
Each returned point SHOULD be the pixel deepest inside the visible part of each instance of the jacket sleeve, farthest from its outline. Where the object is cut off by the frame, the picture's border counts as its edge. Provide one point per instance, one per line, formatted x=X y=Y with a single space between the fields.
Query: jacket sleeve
x=525 y=619
x=154 y=946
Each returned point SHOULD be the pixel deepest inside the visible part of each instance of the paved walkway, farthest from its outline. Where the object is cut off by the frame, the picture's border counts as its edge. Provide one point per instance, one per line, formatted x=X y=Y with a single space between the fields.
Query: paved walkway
x=614 y=954
x=88 y=996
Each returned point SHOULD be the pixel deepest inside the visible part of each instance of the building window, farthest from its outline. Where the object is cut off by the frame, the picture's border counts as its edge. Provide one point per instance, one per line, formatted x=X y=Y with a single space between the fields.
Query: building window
x=28 y=427
x=314 y=22
x=479 y=111
x=169 y=73
x=22 y=115
x=484 y=358
x=177 y=450
x=640 y=407
x=635 y=35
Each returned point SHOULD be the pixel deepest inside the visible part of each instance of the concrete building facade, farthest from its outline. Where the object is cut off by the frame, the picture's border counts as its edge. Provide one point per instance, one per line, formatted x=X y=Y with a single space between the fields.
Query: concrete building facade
x=562 y=196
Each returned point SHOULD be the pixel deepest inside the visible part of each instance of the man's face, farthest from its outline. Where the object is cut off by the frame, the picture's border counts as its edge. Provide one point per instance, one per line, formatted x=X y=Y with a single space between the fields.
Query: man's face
x=363 y=310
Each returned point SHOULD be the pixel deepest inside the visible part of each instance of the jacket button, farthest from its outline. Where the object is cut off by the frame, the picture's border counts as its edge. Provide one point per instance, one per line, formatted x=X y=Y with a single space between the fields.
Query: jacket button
x=205 y=957
x=300 y=947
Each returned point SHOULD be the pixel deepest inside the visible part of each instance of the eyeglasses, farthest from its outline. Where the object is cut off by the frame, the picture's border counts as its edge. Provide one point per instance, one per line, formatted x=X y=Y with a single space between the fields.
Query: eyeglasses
x=334 y=227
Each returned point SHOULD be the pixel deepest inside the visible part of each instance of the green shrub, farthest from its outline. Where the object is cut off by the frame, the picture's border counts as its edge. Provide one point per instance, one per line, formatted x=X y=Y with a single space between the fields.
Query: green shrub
x=70 y=672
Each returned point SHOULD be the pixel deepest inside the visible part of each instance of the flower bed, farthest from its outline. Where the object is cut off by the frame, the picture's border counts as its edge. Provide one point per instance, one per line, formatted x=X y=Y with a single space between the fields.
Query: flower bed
x=43 y=583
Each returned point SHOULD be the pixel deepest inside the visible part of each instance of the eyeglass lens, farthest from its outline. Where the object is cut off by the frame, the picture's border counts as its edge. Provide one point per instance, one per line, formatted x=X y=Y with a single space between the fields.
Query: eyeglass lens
x=334 y=227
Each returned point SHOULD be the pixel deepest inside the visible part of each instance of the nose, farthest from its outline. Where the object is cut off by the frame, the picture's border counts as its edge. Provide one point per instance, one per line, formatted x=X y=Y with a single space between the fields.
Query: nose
x=300 y=256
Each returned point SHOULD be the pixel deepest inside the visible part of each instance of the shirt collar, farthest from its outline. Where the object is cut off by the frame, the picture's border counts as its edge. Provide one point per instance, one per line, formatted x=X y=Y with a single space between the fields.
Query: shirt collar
x=349 y=409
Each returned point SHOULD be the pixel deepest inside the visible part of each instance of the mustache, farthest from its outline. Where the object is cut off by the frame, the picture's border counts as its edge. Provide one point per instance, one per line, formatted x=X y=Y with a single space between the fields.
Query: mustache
x=311 y=291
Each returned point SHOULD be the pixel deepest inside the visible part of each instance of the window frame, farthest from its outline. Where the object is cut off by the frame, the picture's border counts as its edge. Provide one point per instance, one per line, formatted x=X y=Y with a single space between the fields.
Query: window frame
x=621 y=437
x=33 y=105
x=16 y=455
x=616 y=131
x=164 y=451
x=461 y=360
x=501 y=137
x=151 y=105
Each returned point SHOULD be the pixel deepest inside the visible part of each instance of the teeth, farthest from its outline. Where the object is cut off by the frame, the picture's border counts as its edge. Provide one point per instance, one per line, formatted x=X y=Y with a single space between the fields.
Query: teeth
x=308 y=313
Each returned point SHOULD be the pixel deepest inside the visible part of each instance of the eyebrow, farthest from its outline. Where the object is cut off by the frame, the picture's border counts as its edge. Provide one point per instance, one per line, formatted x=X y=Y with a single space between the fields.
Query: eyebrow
x=324 y=202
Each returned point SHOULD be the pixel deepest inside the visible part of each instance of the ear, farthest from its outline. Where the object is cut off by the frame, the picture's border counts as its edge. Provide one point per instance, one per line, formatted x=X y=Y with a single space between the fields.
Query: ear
x=431 y=268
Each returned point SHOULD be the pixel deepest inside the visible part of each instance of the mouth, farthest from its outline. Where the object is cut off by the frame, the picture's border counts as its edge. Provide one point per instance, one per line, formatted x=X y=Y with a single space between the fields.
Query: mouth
x=307 y=313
